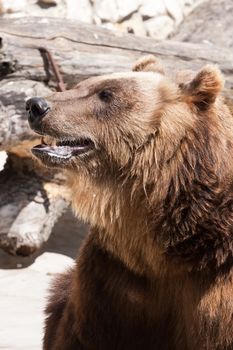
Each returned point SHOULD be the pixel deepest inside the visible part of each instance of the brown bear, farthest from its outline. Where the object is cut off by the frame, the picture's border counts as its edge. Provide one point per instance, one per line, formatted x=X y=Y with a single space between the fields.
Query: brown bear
x=149 y=162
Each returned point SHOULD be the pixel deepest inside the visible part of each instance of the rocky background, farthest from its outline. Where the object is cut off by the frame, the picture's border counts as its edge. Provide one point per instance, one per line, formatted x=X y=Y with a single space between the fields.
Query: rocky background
x=154 y=18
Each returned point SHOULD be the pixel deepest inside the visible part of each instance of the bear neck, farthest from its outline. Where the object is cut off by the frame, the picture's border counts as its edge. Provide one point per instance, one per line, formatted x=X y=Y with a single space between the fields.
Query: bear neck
x=193 y=217
x=179 y=214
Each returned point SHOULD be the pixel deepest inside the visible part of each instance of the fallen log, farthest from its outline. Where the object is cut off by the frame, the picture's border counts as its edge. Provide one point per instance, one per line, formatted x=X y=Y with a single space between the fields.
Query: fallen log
x=81 y=51
x=31 y=201
x=14 y=129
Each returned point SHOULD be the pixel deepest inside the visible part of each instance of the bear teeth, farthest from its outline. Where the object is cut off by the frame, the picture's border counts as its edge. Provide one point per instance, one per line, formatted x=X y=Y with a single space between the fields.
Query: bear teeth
x=74 y=143
x=48 y=140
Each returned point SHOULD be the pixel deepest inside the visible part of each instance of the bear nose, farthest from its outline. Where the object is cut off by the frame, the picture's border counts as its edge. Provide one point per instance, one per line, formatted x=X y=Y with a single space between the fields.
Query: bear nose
x=36 y=107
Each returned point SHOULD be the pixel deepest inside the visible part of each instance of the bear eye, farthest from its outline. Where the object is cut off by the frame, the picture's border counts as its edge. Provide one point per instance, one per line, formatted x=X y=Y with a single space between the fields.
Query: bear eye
x=105 y=95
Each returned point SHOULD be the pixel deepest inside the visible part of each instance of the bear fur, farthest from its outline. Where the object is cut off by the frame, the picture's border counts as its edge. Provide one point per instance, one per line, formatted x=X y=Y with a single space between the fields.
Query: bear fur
x=149 y=162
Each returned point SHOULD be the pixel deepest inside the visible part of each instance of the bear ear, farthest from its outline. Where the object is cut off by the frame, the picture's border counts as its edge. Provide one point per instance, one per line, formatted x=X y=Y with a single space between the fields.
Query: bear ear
x=203 y=89
x=148 y=64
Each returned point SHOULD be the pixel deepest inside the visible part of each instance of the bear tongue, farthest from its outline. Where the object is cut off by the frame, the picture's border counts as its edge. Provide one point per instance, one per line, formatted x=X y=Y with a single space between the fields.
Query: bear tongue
x=67 y=150
x=53 y=151
x=62 y=151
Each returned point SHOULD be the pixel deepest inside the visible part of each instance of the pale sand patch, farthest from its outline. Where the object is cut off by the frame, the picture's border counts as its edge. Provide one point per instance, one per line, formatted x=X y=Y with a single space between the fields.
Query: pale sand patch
x=24 y=282
x=23 y=295
x=3 y=157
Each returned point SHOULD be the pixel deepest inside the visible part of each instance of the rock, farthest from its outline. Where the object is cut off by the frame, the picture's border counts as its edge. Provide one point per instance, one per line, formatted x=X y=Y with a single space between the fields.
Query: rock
x=174 y=9
x=106 y=10
x=80 y=10
x=160 y=27
x=51 y=263
x=191 y=2
x=47 y=2
x=11 y=6
x=39 y=8
x=209 y=24
x=134 y=25
x=152 y=8
x=186 y=2
x=126 y=7
x=110 y=26
x=189 y=6
x=115 y=10
x=97 y=20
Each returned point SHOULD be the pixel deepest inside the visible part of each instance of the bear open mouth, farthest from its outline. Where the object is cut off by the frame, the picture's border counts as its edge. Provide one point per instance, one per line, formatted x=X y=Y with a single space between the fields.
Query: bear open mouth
x=63 y=150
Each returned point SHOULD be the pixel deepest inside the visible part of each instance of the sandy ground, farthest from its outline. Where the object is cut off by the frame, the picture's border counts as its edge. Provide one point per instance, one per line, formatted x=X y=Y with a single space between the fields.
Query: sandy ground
x=24 y=283
x=3 y=157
